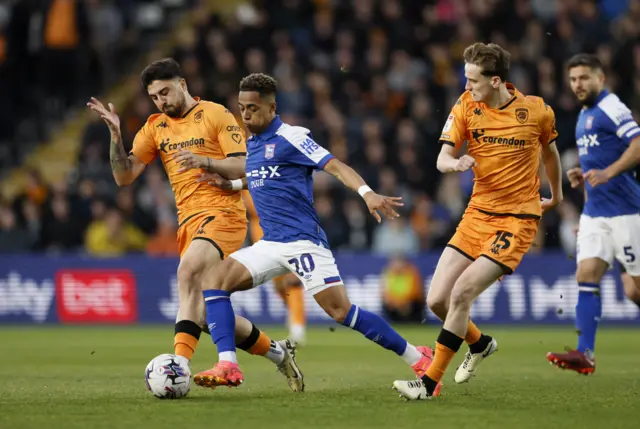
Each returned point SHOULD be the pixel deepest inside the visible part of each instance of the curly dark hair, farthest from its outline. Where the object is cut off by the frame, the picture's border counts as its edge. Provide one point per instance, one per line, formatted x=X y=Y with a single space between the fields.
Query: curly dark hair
x=260 y=83
x=165 y=69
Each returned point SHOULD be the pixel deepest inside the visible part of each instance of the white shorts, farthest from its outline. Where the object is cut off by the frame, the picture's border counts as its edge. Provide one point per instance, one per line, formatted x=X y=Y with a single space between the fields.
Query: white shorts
x=314 y=265
x=611 y=238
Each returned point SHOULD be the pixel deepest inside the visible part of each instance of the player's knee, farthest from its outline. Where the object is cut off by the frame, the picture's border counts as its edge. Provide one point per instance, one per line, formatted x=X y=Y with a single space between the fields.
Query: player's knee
x=438 y=305
x=461 y=296
x=188 y=275
x=589 y=273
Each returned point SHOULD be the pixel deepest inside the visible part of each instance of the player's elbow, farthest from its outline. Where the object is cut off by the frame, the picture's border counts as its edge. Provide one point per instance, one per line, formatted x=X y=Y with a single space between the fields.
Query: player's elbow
x=122 y=180
x=443 y=164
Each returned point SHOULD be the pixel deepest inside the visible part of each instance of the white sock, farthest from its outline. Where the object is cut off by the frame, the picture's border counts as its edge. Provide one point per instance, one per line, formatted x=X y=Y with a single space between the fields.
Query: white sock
x=411 y=355
x=228 y=356
x=276 y=353
x=296 y=332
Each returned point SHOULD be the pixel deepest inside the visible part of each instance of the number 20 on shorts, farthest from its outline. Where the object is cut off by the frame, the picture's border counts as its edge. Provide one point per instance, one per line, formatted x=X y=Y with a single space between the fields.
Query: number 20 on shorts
x=303 y=265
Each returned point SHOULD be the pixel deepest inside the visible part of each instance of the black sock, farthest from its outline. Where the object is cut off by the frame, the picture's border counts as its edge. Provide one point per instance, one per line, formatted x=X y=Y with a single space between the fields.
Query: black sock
x=188 y=327
x=429 y=384
x=480 y=345
x=251 y=340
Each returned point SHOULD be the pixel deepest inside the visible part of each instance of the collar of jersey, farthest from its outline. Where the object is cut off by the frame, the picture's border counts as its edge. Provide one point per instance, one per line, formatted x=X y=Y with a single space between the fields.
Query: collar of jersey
x=271 y=129
x=187 y=113
x=602 y=94
x=514 y=94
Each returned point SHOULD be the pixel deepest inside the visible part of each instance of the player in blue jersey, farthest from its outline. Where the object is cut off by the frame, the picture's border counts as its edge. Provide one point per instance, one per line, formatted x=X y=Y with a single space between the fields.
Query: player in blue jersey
x=608 y=141
x=280 y=163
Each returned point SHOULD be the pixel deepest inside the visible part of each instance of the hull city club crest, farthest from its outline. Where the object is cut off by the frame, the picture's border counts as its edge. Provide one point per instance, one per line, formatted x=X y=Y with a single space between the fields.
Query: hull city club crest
x=269 y=151
x=522 y=115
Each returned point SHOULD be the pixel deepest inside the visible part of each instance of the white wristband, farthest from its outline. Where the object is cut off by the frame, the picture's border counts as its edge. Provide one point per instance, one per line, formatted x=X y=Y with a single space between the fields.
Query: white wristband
x=236 y=185
x=363 y=190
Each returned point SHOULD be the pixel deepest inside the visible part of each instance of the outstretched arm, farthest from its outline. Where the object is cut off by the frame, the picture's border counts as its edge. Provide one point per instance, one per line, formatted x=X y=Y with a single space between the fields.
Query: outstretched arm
x=214 y=179
x=231 y=167
x=352 y=180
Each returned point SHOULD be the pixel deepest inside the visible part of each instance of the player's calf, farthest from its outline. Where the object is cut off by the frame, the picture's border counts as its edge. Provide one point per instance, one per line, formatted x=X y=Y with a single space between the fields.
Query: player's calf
x=335 y=302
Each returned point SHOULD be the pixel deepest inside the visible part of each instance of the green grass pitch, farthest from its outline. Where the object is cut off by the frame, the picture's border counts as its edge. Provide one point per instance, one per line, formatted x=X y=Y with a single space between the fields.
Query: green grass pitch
x=92 y=377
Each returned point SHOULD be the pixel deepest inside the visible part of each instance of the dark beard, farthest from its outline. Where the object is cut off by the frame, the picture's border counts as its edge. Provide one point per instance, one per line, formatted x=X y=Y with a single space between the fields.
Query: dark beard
x=590 y=101
x=174 y=112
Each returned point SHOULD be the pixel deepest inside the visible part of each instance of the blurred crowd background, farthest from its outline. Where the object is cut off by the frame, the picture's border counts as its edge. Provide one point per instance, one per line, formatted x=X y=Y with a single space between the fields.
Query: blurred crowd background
x=373 y=79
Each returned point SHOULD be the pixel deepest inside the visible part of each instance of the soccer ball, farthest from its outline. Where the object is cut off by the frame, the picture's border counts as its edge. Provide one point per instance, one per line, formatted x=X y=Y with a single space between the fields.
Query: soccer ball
x=168 y=376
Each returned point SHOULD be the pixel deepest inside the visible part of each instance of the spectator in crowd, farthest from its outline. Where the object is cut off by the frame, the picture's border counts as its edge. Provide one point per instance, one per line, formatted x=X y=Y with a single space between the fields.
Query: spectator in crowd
x=114 y=236
x=402 y=291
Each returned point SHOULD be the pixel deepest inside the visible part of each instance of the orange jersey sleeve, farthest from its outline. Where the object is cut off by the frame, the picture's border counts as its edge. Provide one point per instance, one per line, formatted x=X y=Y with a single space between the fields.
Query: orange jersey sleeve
x=548 y=125
x=506 y=142
x=144 y=143
x=203 y=131
x=454 y=131
x=231 y=137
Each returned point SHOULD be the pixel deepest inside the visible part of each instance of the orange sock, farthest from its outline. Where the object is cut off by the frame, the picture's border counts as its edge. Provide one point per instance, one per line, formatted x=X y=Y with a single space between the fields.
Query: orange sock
x=446 y=347
x=295 y=304
x=185 y=345
x=262 y=345
x=473 y=333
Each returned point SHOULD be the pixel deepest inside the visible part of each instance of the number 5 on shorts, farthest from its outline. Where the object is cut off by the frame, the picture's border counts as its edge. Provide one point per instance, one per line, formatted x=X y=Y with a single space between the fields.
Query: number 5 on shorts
x=628 y=252
x=303 y=265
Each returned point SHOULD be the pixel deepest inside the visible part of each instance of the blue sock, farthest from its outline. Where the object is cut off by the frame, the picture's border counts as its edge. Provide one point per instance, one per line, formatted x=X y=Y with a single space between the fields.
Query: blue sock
x=375 y=328
x=221 y=319
x=588 y=312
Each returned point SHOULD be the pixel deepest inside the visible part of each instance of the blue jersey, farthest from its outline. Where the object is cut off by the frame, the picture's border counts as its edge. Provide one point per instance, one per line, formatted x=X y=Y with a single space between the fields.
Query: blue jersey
x=279 y=169
x=603 y=133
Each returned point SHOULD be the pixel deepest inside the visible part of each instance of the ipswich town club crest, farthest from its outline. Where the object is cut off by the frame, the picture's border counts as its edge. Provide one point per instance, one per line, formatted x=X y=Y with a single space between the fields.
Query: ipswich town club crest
x=269 y=151
x=589 y=123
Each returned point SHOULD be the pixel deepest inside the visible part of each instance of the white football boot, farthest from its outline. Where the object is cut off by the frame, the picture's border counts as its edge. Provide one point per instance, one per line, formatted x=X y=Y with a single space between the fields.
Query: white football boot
x=469 y=367
x=289 y=367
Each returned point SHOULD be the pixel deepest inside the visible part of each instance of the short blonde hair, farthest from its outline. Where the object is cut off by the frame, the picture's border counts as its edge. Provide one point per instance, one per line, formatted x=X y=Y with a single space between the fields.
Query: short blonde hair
x=491 y=58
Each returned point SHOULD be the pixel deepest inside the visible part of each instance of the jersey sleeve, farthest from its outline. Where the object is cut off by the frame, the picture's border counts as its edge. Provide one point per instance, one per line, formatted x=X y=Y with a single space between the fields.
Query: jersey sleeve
x=230 y=136
x=455 y=129
x=548 y=132
x=144 y=144
x=621 y=120
x=307 y=152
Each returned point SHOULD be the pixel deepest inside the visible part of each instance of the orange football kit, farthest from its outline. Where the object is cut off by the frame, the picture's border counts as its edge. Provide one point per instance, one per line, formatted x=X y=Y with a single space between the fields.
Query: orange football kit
x=204 y=212
x=501 y=220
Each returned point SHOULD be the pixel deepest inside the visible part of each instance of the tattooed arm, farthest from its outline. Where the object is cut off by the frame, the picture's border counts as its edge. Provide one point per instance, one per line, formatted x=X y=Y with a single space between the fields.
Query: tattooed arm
x=126 y=168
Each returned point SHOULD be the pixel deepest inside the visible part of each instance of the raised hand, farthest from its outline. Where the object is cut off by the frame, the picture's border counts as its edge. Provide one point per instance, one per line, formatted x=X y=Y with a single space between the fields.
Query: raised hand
x=109 y=116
